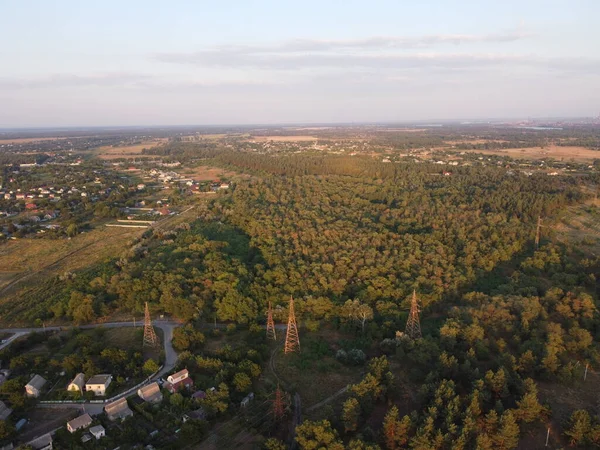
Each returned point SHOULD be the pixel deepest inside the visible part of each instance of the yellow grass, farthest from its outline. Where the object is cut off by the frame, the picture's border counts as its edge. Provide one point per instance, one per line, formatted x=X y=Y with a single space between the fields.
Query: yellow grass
x=33 y=257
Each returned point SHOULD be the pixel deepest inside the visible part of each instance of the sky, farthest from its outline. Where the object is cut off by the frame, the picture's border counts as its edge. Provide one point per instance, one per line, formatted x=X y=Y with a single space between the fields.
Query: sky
x=121 y=63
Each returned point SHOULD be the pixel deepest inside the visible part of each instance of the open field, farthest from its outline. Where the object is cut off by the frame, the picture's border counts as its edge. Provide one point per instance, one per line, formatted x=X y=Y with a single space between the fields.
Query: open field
x=206 y=173
x=128 y=151
x=37 y=139
x=24 y=258
x=284 y=138
x=551 y=151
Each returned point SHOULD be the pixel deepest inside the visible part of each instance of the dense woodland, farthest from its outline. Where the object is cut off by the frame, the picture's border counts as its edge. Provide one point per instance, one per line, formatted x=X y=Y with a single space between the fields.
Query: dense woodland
x=350 y=239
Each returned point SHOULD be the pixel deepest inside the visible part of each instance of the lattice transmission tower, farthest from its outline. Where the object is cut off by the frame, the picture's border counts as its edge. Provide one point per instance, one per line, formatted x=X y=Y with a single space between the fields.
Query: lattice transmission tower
x=292 y=338
x=270 y=324
x=413 y=326
x=150 y=338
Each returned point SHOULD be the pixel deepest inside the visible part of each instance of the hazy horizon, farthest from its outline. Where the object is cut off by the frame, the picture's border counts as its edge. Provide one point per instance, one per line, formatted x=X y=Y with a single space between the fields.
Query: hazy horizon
x=146 y=64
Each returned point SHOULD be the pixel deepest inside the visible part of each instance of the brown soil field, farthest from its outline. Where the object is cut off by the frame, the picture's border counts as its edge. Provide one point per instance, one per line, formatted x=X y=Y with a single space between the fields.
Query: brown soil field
x=128 y=151
x=552 y=151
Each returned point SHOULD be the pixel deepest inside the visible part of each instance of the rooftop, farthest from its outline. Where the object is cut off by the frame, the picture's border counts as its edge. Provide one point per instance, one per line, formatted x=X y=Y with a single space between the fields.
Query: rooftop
x=99 y=379
x=80 y=422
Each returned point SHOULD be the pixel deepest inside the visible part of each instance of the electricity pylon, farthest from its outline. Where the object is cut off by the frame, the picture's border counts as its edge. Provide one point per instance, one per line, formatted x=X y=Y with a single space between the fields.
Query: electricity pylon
x=270 y=324
x=292 y=339
x=150 y=338
x=413 y=326
x=278 y=405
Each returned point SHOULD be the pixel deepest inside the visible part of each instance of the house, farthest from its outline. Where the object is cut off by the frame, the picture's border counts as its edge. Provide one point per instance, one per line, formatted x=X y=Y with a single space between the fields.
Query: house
x=42 y=443
x=78 y=384
x=178 y=381
x=98 y=384
x=5 y=411
x=30 y=206
x=98 y=431
x=119 y=409
x=151 y=393
x=79 y=423
x=197 y=414
x=34 y=387
x=199 y=395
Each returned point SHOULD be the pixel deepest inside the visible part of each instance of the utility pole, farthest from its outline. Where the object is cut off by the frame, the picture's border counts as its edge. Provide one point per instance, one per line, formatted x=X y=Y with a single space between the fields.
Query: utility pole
x=585 y=374
x=292 y=338
x=413 y=326
x=150 y=338
x=537 y=232
x=547 y=437
x=270 y=324
x=278 y=405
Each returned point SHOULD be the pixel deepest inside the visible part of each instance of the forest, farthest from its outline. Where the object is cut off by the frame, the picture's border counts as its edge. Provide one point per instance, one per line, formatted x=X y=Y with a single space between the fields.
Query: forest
x=351 y=238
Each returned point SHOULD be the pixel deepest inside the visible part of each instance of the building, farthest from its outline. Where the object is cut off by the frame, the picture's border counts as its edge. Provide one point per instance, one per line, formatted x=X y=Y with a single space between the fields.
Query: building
x=119 y=409
x=79 y=423
x=98 y=431
x=98 y=384
x=5 y=411
x=34 y=387
x=78 y=384
x=178 y=381
x=42 y=443
x=151 y=393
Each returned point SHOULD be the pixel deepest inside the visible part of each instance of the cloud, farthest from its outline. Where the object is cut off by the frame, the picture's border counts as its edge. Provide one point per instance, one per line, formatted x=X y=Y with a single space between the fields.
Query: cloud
x=453 y=61
x=72 y=80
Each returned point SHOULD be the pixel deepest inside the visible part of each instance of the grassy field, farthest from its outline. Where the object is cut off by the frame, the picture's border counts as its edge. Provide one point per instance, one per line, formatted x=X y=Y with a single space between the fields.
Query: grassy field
x=207 y=173
x=128 y=151
x=314 y=373
x=28 y=259
x=550 y=151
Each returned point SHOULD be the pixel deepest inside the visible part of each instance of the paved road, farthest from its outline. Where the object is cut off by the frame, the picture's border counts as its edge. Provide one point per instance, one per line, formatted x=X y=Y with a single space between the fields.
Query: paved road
x=97 y=408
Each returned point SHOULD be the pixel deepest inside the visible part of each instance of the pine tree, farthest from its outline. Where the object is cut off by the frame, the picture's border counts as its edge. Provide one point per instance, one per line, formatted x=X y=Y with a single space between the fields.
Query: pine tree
x=507 y=436
x=395 y=431
x=580 y=425
x=351 y=414
x=529 y=408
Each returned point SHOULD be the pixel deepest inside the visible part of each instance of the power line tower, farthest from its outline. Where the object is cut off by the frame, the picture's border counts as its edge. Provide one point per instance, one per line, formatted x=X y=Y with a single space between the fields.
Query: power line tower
x=270 y=324
x=150 y=338
x=278 y=405
x=413 y=326
x=537 y=232
x=292 y=339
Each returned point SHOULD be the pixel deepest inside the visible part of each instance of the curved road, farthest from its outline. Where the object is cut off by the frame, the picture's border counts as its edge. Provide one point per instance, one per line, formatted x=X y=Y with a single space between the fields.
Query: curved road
x=96 y=408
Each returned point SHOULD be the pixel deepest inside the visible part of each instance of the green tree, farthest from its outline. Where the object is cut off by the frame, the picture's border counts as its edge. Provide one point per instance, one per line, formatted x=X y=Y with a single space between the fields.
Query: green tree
x=242 y=382
x=317 y=436
x=351 y=414
x=150 y=367
x=529 y=408
x=579 y=427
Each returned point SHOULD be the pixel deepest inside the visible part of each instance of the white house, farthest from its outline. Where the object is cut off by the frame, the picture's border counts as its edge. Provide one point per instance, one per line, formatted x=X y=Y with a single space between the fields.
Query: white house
x=34 y=387
x=98 y=431
x=78 y=384
x=79 y=423
x=98 y=384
